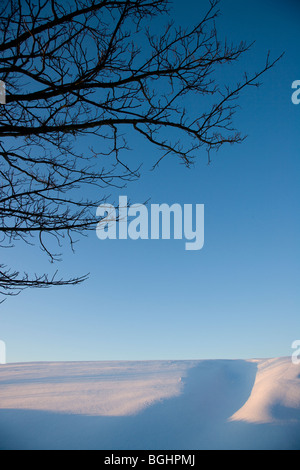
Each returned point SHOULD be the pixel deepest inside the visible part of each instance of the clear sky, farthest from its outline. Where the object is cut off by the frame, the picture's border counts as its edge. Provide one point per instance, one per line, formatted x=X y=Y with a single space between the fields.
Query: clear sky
x=236 y=298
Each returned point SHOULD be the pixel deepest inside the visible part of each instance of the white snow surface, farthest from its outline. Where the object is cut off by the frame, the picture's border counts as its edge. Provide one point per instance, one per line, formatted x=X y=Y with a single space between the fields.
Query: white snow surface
x=90 y=388
x=151 y=405
x=277 y=384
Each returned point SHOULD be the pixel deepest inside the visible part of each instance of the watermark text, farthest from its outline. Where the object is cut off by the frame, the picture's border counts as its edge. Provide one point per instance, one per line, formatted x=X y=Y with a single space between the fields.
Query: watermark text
x=161 y=221
x=2 y=353
x=2 y=92
x=296 y=94
x=296 y=354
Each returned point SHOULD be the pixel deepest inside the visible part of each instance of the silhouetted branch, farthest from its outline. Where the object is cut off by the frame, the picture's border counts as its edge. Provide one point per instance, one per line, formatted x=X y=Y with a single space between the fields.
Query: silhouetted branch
x=80 y=68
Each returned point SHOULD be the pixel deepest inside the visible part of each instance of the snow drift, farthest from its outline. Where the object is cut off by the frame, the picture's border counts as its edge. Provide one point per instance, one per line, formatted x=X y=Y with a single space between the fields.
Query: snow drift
x=164 y=405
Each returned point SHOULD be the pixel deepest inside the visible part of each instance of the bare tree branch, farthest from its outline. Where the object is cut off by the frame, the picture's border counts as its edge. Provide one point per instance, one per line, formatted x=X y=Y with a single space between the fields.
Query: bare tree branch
x=80 y=68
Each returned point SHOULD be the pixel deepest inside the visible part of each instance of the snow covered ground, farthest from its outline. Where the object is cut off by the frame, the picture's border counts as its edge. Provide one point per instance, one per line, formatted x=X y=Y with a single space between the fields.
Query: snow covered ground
x=163 y=405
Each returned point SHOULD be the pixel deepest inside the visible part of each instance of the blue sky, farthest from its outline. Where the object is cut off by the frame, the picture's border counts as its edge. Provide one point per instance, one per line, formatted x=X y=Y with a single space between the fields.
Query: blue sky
x=236 y=298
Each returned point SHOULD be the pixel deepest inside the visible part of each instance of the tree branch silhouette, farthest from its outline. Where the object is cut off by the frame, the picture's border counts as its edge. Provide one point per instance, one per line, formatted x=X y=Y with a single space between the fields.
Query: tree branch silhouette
x=86 y=68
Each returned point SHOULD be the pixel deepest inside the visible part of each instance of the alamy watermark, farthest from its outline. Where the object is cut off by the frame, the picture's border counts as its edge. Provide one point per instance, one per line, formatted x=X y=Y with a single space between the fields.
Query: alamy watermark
x=2 y=353
x=296 y=354
x=153 y=224
x=296 y=94
x=2 y=92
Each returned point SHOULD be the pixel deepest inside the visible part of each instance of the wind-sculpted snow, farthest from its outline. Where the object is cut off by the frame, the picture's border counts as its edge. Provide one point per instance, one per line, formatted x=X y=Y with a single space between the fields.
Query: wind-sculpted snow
x=90 y=388
x=275 y=396
x=151 y=405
